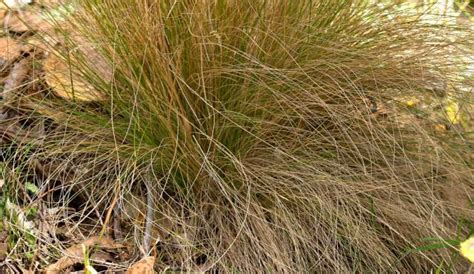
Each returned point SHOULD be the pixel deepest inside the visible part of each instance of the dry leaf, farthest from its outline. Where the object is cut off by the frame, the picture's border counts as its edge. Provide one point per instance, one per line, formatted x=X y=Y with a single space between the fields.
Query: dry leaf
x=66 y=82
x=3 y=251
x=3 y=14
x=440 y=128
x=144 y=266
x=9 y=49
x=101 y=257
x=74 y=254
x=15 y=79
x=66 y=79
x=24 y=21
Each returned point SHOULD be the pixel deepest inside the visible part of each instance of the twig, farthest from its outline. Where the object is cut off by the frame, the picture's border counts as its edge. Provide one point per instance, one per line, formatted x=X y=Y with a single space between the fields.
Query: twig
x=149 y=218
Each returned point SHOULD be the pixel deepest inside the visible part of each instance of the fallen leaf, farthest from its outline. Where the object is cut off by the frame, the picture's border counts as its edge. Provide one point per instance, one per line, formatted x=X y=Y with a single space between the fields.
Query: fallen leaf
x=66 y=82
x=15 y=79
x=23 y=21
x=3 y=13
x=144 y=266
x=440 y=128
x=101 y=257
x=3 y=251
x=9 y=49
x=75 y=254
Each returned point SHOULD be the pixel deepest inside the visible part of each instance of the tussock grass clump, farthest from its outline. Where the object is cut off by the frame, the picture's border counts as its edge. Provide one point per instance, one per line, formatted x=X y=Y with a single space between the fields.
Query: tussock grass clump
x=272 y=135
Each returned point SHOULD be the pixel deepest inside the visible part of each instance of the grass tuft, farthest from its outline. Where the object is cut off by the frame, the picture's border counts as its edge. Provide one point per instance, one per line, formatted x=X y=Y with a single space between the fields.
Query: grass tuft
x=272 y=135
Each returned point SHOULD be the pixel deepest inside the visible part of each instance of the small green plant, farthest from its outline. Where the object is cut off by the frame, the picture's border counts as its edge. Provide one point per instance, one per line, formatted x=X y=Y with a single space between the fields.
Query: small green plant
x=89 y=269
x=22 y=233
x=16 y=219
x=457 y=246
